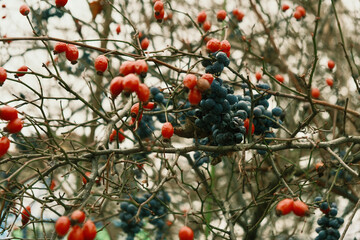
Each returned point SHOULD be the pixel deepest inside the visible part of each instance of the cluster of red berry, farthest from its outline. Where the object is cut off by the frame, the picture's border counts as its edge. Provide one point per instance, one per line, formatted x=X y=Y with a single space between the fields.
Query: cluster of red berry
x=159 y=11
x=299 y=13
x=71 y=51
x=214 y=45
x=129 y=82
x=288 y=205
x=10 y=114
x=197 y=86
x=77 y=218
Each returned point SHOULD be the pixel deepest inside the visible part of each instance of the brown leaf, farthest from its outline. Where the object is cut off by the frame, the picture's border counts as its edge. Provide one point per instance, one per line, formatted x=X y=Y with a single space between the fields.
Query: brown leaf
x=95 y=8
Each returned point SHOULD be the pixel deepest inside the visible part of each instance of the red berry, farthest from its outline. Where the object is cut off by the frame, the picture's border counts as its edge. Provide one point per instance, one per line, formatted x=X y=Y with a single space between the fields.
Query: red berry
x=319 y=165
x=280 y=78
x=315 y=92
x=213 y=45
x=331 y=64
x=201 y=17
x=24 y=10
x=285 y=7
x=202 y=84
x=149 y=106
x=221 y=15
x=167 y=130
x=134 y=112
x=60 y=47
x=60 y=3
x=78 y=216
x=14 y=126
x=127 y=67
x=121 y=137
x=297 y=15
x=225 y=46
x=186 y=233
x=140 y=67
x=52 y=185
x=4 y=145
x=208 y=77
x=285 y=206
x=84 y=179
x=194 y=96
x=169 y=16
x=3 y=75
x=118 y=29
x=76 y=233
x=246 y=125
x=25 y=215
x=101 y=64
x=329 y=82
x=190 y=81
x=258 y=76
x=116 y=86
x=207 y=26
x=145 y=43
x=72 y=53
x=238 y=14
x=8 y=113
x=301 y=10
x=143 y=92
x=131 y=83
x=300 y=208
x=22 y=69
x=89 y=230
x=158 y=6
x=62 y=226
x=160 y=15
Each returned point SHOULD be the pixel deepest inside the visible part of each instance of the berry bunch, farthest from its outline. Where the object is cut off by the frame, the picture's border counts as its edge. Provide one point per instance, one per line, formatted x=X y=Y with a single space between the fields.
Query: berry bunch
x=159 y=11
x=79 y=230
x=329 y=223
x=157 y=95
x=200 y=159
x=239 y=15
x=288 y=205
x=299 y=13
x=129 y=81
x=154 y=210
x=10 y=114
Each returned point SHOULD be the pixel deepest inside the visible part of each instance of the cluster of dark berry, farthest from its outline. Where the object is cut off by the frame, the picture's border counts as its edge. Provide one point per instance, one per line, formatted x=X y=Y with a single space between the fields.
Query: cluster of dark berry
x=155 y=211
x=217 y=63
x=200 y=159
x=329 y=223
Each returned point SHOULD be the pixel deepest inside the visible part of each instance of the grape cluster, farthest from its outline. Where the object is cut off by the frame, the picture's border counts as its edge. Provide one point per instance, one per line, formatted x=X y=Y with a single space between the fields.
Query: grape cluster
x=128 y=222
x=329 y=223
x=155 y=211
x=159 y=212
x=217 y=63
x=216 y=117
x=157 y=95
x=200 y=160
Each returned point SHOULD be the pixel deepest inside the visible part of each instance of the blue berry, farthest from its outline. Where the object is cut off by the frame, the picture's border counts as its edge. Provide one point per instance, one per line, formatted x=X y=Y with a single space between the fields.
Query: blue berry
x=333 y=212
x=277 y=111
x=154 y=91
